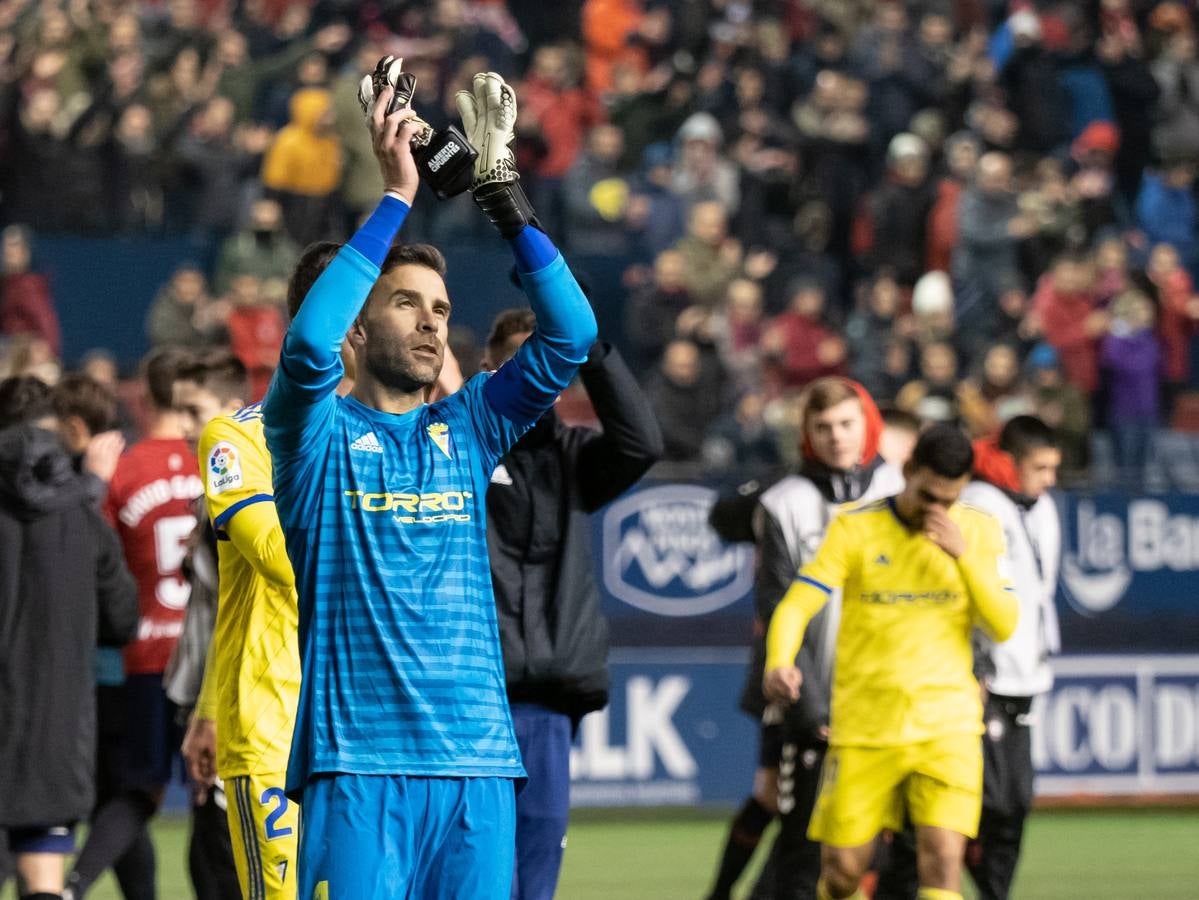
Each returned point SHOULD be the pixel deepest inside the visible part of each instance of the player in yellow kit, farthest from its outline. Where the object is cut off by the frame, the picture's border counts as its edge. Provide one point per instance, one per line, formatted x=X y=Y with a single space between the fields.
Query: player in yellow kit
x=918 y=573
x=252 y=680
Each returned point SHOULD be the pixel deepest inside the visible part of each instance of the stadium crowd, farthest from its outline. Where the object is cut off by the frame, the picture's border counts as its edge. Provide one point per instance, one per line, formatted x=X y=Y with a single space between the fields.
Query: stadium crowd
x=977 y=209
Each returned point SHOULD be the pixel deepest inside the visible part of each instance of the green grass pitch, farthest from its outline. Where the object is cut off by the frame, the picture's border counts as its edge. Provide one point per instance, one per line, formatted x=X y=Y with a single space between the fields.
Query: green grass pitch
x=629 y=855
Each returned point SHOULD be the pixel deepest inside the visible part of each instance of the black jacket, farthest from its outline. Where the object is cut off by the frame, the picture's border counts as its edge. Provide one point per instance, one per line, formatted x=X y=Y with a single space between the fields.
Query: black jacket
x=63 y=588
x=555 y=639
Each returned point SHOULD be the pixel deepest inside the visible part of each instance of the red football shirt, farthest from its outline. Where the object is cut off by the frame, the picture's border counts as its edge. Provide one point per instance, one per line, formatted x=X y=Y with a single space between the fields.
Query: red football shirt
x=150 y=504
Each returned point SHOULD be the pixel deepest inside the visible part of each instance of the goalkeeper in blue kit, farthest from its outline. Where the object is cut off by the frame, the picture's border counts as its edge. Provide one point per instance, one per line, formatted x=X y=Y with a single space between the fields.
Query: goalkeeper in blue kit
x=403 y=755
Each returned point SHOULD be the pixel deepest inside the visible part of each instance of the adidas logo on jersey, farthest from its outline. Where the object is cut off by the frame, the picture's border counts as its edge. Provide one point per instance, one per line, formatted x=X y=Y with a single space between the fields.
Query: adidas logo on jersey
x=368 y=443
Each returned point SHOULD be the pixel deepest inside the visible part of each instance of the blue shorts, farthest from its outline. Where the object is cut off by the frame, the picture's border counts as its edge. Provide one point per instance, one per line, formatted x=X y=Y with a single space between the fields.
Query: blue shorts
x=387 y=836
x=59 y=839
x=152 y=735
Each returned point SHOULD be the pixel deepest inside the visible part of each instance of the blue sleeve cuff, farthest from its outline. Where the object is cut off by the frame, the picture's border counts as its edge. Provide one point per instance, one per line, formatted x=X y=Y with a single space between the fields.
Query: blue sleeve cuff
x=820 y=586
x=533 y=249
x=377 y=233
x=223 y=519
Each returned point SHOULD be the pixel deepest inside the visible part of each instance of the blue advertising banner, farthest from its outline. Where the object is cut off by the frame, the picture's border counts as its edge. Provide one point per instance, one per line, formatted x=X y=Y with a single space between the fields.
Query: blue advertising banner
x=667 y=580
x=673 y=735
x=1130 y=573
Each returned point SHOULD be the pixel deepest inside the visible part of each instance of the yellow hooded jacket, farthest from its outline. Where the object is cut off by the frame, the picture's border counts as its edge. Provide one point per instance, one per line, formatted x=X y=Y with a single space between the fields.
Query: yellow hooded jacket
x=302 y=160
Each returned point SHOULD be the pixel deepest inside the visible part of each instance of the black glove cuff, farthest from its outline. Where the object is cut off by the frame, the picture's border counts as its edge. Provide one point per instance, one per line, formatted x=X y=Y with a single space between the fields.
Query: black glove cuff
x=505 y=204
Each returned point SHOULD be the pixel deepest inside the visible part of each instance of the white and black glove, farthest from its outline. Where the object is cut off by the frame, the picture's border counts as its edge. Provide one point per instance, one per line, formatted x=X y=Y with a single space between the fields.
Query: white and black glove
x=488 y=113
x=445 y=158
x=389 y=73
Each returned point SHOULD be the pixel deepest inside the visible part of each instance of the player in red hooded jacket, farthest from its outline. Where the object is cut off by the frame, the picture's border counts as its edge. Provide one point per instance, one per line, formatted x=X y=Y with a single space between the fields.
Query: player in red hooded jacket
x=840 y=467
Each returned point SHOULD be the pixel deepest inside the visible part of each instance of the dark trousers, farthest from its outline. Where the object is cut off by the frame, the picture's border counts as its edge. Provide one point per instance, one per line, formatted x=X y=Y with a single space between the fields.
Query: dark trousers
x=1007 y=796
x=543 y=805
x=210 y=850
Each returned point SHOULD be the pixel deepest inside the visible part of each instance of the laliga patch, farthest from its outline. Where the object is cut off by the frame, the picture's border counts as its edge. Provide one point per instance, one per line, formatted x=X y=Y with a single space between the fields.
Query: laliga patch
x=224 y=468
x=439 y=433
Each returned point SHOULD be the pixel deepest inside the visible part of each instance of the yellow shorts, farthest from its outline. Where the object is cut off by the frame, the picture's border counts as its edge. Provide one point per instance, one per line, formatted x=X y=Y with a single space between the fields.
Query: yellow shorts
x=864 y=790
x=265 y=829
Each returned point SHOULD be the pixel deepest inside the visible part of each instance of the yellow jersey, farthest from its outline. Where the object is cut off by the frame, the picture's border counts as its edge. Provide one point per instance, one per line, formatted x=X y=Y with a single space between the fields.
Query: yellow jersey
x=904 y=666
x=252 y=681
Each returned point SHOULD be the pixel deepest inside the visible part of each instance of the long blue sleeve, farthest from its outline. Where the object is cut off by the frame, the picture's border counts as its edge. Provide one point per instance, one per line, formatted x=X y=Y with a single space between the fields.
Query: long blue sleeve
x=527 y=385
x=310 y=365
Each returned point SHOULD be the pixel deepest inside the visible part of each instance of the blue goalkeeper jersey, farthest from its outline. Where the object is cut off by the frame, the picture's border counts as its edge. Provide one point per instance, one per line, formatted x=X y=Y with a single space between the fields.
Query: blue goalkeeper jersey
x=384 y=517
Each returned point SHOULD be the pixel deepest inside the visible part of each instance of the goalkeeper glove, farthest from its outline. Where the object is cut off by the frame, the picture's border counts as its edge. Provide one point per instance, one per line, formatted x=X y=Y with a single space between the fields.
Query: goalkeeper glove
x=488 y=113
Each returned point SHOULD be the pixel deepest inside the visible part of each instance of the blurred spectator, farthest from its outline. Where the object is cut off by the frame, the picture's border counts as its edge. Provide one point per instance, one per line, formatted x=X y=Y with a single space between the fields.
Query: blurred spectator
x=798 y=346
x=1051 y=205
x=711 y=258
x=962 y=151
x=934 y=396
x=901 y=430
x=1166 y=209
x=262 y=249
x=303 y=166
x=560 y=111
x=805 y=253
x=651 y=313
x=1061 y=405
x=1179 y=319
x=1093 y=187
x=26 y=304
x=995 y=394
x=1111 y=269
x=869 y=329
x=1135 y=98
x=182 y=313
x=242 y=78
x=990 y=227
x=656 y=216
x=892 y=231
x=932 y=318
x=1065 y=307
x=743 y=438
x=217 y=159
x=738 y=329
x=595 y=197
x=702 y=174
x=611 y=29
x=1176 y=71
x=683 y=401
x=1131 y=360
x=256 y=327
x=361 y=184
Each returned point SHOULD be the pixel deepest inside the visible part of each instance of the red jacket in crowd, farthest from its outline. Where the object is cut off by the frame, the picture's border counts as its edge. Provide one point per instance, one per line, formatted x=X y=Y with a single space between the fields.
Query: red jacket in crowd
x=1176 y=326
x=26 y=307
x=808 y=350
x=565 y=116
x=1064 y=322
x=256 y=336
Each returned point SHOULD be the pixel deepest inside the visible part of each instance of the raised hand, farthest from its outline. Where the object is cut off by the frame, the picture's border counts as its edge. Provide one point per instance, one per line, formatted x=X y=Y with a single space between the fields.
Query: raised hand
x=488 y=113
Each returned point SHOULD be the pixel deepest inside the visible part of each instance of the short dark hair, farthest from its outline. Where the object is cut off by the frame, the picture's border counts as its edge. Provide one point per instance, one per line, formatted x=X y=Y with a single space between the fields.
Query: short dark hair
x=313 y=261
x=894 y=417
x=1024 y=434
x=945 y=451
x=506 y=324
x=414 y=255
x=316 y=258
x=24 y=399
x=218 y=371
x=160 y=369
x=81 y=395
